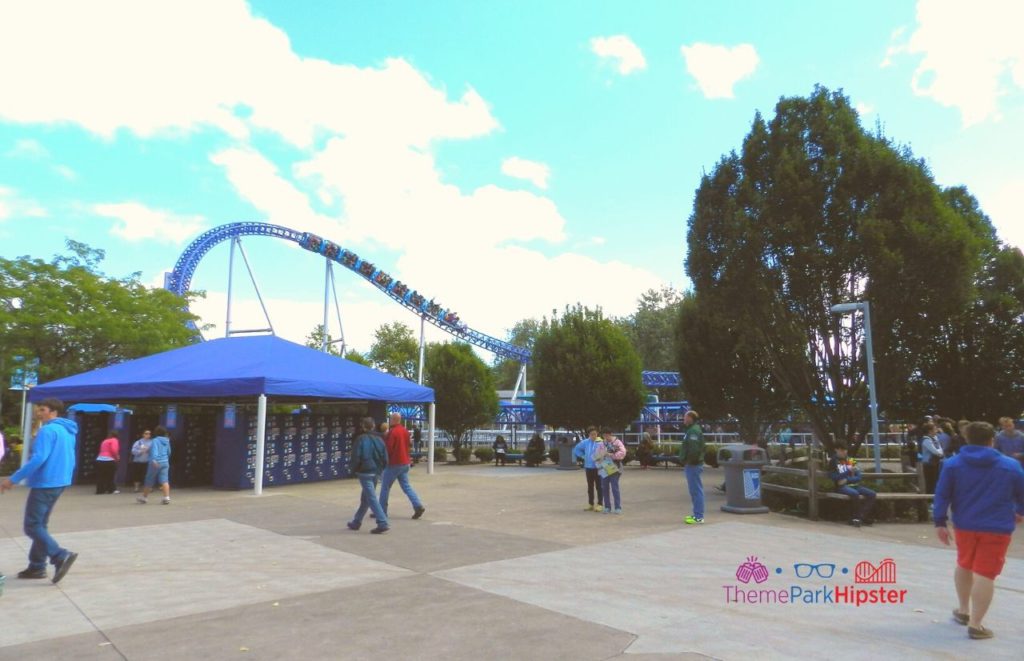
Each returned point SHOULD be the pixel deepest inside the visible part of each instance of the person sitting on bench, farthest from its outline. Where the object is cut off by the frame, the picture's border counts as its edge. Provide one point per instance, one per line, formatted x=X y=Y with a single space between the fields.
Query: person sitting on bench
x=844 y=472
x=500 y=450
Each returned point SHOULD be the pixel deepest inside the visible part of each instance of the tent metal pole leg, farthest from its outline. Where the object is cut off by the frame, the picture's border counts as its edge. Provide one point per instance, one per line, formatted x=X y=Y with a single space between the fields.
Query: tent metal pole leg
x=423 y=323
x=430 y=438
x=261 y=439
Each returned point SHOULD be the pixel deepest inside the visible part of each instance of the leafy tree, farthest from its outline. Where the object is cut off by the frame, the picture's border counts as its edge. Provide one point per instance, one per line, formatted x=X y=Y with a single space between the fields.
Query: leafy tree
x=395 y=350
x=463 y=390
x=315 y=340
x=652 y=326
x=974 y=370
x=814 y=211
x=723 y=374
x=505 y=371
x=586 y=372
x=357 y=357
x=74 y=318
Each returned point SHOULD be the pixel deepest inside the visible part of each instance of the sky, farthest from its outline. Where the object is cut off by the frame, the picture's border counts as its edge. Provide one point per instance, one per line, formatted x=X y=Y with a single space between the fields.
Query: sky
x=505 y=158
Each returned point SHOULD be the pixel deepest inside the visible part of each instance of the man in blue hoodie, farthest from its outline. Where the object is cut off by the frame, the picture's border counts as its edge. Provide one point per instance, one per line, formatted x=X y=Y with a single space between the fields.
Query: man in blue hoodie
x=46 y=473
x=985 y=491
x=585 y=450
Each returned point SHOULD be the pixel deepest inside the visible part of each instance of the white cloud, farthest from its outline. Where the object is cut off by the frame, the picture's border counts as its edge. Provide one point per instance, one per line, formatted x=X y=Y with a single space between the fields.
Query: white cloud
x=532 y=171
x=29 y=149
x=157 y=67
x=864 y=109
x=66 y=172
x=1002 y=204
x=13 y=205
x=717 y=69
x=971 y=55
x=620 y=49
x=137 y=222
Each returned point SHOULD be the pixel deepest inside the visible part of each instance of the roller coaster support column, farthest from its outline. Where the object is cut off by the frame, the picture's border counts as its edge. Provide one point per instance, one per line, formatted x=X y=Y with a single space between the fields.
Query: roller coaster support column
x=325 y=342
x=430 y=437
x=520 y=381
x=231 y=280
x=423 y=323
x=261 y=439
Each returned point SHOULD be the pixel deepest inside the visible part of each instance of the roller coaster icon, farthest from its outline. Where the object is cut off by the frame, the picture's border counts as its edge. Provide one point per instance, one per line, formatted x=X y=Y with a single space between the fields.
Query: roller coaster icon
x=179 y=281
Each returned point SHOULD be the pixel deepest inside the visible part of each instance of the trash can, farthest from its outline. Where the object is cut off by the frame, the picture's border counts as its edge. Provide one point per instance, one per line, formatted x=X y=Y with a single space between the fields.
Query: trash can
x=742 y=465
x=566 y=462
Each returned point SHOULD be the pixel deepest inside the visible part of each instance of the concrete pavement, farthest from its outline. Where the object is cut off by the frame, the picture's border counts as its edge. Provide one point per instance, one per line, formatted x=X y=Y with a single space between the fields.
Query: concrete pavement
x=505 y=564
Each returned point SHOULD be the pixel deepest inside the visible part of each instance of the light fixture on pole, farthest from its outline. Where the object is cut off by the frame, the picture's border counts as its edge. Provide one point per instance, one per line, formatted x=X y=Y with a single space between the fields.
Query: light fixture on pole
x=863 y=306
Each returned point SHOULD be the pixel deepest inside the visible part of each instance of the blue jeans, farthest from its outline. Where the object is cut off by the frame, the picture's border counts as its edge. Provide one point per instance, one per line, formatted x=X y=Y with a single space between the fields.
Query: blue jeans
x=610 y=487
x=38 y=507
x=401 y=473
x=368 y=501
x=696 y=489
x=863 y=494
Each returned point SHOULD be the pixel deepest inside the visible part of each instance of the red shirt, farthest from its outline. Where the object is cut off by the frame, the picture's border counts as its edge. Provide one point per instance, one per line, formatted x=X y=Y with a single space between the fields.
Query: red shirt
x=397 y=443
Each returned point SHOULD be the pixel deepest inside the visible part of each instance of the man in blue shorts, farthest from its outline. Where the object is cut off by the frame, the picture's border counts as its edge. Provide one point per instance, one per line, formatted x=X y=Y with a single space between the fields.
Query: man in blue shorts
x=159 y=466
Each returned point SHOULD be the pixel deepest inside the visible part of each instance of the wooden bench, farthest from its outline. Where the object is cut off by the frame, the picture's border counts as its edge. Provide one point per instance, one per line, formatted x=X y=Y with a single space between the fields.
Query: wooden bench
x=665 y=459
x=813 y=494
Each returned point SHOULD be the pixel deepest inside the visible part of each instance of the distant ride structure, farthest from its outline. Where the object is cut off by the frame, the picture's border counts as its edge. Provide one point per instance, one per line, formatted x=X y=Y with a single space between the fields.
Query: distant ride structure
x=179 y=281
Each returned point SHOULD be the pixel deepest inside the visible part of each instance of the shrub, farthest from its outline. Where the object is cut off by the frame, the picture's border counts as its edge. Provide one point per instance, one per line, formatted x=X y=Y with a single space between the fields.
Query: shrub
x=462 y=454
x=485 y=455
x=553 y=455
x=534 y=456
x=440 y=454
x=630 y=456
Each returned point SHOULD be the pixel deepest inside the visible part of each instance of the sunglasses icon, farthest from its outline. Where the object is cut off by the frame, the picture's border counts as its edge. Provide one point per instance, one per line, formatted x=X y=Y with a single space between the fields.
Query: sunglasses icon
x=824 y=570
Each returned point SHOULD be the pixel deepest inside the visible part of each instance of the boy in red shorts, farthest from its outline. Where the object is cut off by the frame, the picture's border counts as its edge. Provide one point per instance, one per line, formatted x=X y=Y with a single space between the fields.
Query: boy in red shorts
x=985 y=491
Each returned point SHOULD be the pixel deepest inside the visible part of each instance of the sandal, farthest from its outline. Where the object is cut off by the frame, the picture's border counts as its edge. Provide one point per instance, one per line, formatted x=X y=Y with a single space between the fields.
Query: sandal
x=979 y=633
x=961 y=618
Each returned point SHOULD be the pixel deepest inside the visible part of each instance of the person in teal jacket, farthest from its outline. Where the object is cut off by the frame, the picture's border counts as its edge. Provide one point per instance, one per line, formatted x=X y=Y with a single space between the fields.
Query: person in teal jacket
x=692 y=455
x=158 y=471
x=369 y=459
x=585 y=450
x=47 y=473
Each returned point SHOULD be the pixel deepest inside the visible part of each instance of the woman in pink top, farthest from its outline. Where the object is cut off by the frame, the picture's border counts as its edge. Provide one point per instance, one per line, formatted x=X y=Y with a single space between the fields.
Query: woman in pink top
x=611 y=448
x=106 y=463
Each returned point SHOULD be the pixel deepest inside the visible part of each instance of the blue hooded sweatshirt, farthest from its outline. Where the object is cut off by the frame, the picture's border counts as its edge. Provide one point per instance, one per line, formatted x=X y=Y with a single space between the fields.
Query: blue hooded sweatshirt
x=52 y=463
x=984 y=489
x=585 y=450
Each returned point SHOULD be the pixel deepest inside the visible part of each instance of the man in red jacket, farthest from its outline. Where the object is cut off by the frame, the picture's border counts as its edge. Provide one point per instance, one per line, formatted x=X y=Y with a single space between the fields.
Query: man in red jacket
x=397 y=443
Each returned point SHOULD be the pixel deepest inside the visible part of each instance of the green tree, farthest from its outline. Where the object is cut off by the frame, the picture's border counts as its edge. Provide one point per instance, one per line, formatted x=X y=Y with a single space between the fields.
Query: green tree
x=815 y=211
x=357 y=357
x=395 y=350
x=505 y=371
x=723 y=374
x=315 y=340
x=586 y=372
x=974 y=370
x=463 y=390
x=652 y=326
x=74 y=318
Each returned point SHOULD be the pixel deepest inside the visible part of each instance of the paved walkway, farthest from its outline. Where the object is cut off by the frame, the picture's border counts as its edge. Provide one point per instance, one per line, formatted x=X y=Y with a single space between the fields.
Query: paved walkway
x=505 y=564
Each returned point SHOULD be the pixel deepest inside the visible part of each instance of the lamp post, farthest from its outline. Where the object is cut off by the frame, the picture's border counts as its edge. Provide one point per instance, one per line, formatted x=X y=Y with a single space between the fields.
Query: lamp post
x=863 y=306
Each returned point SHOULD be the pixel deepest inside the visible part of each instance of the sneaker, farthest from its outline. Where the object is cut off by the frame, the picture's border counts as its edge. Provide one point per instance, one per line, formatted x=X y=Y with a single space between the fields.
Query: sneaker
x=617 y=510
x=855 y=523
x=418 y=512
x=588 y=508
x=691 y=520
x=63 y=566
x=979 y=633
x=961 y=618
x=165 y=501
x=379 y=530
x=32 y=573
x=141 y=500
x=352 y=525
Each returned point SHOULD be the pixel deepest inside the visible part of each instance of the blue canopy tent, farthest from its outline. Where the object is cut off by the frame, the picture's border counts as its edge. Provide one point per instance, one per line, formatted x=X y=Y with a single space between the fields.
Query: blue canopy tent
x=237 y=367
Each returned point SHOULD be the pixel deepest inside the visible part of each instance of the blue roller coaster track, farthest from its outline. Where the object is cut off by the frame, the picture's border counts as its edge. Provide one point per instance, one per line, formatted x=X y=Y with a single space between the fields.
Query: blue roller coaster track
x=180 y=280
